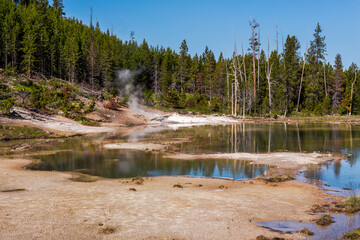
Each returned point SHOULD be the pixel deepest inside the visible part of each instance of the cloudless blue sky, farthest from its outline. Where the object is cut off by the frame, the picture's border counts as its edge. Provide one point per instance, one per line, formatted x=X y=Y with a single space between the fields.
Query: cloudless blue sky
x=214 y=23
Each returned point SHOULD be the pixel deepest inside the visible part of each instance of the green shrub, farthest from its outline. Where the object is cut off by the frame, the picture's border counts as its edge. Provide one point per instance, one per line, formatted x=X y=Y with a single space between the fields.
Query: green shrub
x=352 y=236
x=324 y=220
x=173 y=99
x=351 y=205
x=6 y=99
x=215 y=104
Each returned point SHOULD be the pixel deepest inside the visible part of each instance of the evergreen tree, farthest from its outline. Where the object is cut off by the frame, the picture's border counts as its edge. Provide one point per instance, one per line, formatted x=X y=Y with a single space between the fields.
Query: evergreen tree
x=291 y=71
x=71 y=53
x=30 y=38
x=183 y=65
x=314 y=91
x=194 y=74
x=337 y=85
x=59 y=7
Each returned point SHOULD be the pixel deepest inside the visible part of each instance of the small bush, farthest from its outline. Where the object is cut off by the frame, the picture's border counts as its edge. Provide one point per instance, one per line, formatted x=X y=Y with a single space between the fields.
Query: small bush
x=351 y=205
x=111 y=104
x=138 y=180
x=173 y=99
x=352 y=236
x=6 y=99
x=306 y=232
x=324 y=220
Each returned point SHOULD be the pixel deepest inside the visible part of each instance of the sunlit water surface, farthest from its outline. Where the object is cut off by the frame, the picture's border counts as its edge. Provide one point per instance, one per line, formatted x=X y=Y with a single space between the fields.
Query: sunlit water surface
x=87 y=153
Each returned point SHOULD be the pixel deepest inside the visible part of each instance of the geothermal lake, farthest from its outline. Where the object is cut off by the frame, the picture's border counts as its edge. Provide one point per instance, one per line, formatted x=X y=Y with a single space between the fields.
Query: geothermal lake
x=87 y=154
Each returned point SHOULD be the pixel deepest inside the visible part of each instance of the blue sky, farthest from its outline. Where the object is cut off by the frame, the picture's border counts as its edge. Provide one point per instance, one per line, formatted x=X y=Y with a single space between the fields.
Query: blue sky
x=214 y=23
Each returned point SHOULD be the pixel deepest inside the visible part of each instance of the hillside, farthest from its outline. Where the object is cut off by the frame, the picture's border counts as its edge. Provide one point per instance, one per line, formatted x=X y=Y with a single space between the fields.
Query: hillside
x=37 y=40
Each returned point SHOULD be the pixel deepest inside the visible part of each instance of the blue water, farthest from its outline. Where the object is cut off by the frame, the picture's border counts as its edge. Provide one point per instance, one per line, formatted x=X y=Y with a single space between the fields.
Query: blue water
x=87 y=152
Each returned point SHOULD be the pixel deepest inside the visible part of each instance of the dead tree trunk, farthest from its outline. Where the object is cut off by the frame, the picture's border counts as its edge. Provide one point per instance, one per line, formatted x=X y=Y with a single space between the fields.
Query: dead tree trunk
x=235 y=87
x=253 y=54
x=258 y=60
x=268 y=74
x=325 y=80
x=301 y=79
x=352 y=93
x=245 y=80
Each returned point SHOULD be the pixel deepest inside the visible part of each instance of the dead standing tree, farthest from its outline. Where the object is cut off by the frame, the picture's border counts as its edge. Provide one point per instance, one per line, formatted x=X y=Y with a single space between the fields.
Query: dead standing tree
x=254 y=42
x=234 y=92
x=236 y=67
x=244 y=80
x=268 y=74
x=301 y=79
x=352 y=93
x=258 y=62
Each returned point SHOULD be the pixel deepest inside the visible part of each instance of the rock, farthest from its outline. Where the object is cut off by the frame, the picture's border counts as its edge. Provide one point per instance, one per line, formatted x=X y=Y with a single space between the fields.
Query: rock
x=177 y=186
x=132 y=189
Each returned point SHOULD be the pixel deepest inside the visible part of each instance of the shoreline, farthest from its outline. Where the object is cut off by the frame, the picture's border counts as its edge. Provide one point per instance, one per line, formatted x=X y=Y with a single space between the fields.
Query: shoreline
x=196 y=208
x=125 y=119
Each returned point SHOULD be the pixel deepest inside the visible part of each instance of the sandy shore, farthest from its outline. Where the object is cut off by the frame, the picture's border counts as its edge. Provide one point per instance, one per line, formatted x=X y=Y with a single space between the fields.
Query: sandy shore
x=54 y=207
x=279 y=159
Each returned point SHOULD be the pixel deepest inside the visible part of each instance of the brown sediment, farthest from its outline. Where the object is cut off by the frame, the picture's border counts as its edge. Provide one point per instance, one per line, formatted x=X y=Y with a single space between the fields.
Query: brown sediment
x=55 y=207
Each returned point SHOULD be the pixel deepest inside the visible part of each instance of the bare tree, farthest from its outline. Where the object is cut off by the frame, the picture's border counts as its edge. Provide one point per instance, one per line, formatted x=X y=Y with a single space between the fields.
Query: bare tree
x=301 y=79
x=326 y=92
x=254 y=43
x=258 y=60
x=268 y=74
x=245 y=79
x=235 y=78
x=352 y=93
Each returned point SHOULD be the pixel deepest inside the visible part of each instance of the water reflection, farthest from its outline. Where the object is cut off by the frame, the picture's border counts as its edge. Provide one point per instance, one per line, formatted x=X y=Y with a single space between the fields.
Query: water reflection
x=129 y=163
x=271 y=137
x=243 y=137
x=342 y=224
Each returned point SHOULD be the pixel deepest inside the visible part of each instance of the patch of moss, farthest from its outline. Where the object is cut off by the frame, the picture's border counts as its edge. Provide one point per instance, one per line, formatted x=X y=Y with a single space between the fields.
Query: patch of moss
x=89 y=122
x=306 y=231
x=324 y=220
x=355 y=235
x=138 y=180
x=351 y=205
x=129 y=124
x=10 y=132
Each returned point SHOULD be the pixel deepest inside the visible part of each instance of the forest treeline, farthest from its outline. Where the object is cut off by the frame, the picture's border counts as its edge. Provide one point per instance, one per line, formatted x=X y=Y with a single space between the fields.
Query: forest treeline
x=37 y=39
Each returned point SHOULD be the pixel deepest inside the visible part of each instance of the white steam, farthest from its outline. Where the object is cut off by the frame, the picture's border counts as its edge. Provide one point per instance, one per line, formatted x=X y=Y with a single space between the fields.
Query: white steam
x=125 y=79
